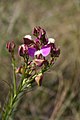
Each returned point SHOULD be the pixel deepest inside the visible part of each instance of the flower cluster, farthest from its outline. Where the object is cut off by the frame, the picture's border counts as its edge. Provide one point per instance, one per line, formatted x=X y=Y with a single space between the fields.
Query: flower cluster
x=35 y=52
x=39 y=54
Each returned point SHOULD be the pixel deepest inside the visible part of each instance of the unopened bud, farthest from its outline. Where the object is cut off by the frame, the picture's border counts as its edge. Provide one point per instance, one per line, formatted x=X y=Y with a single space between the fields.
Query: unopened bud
x=10 y=46
x=23 y=50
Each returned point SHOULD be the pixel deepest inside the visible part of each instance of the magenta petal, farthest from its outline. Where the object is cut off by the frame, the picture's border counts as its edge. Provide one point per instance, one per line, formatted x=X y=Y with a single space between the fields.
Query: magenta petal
x=45 y=50
x=31 y=51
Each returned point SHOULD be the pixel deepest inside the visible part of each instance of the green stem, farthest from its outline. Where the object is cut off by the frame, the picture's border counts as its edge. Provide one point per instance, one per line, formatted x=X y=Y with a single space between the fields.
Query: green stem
x=14 y=76
x=12 y=104
x=15 y=98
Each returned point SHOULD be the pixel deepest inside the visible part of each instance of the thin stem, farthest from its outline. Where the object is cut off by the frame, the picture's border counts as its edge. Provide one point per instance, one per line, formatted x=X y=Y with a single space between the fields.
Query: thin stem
x=14 y=76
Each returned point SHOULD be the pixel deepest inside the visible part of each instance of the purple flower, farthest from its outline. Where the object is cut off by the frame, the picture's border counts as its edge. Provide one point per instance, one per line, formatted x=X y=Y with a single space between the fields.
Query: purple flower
x=41 y=46
x=10 y=46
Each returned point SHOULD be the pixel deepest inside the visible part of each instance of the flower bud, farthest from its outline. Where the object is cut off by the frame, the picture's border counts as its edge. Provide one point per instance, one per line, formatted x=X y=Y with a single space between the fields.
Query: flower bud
x=35 y=31
x=39 y=32
x=28 y=40
x=55 y=52
x=10 y=46
x=23 y=50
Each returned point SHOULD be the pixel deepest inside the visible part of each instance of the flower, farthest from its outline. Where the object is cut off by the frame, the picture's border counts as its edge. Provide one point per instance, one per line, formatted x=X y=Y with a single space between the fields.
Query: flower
x=40 y=47
x=10 y=46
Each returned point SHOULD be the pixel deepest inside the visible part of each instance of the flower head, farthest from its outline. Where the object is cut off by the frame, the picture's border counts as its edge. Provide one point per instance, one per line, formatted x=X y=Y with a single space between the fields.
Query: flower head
x=38 y=53
x=40 y=47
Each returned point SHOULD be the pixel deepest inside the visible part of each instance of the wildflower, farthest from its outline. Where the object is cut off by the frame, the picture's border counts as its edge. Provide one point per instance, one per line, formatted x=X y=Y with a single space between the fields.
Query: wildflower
x=40 y=46
x=32 y=69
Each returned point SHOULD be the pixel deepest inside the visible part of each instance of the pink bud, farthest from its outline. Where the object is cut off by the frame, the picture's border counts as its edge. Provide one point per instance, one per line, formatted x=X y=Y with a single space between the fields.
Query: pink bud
x=23 y=50
x=10 y=46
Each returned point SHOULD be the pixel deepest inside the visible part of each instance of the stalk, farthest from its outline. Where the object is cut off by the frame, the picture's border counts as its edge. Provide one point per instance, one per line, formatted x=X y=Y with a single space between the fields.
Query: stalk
x=14 y=77
x=14 y=100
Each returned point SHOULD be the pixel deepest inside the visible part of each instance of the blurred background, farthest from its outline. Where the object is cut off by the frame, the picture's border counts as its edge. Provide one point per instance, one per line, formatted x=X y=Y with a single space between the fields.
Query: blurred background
x=59 y=96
